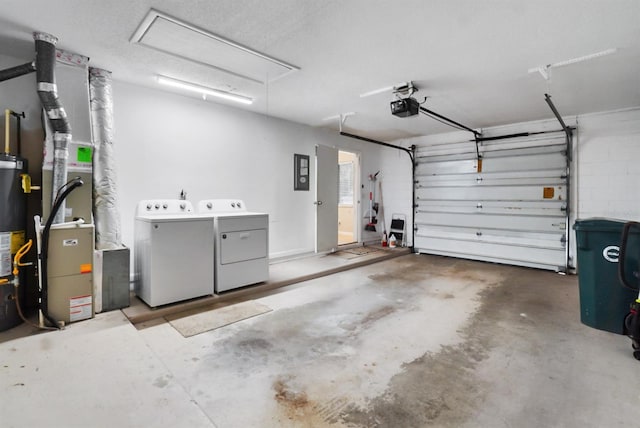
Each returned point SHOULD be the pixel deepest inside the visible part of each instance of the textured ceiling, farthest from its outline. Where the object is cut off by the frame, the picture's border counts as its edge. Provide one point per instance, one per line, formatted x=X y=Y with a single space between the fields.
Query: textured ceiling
x=470 y=58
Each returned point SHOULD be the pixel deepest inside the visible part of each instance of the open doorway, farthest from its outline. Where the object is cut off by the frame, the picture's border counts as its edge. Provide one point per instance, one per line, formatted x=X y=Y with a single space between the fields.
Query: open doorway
x=348 y=171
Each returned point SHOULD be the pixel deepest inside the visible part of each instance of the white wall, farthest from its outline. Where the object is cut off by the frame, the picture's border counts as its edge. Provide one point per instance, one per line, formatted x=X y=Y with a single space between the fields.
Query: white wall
x=166 y=142
x=609 y=165
x=19 y=95
x=397 y=184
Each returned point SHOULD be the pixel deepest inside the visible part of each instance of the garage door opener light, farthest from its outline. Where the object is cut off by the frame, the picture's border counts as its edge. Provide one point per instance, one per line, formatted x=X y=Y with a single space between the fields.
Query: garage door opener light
x=203 y=90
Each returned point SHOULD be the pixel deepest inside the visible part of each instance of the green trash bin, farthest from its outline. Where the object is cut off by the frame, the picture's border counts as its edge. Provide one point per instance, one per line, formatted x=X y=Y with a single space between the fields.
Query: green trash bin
x=604 y=301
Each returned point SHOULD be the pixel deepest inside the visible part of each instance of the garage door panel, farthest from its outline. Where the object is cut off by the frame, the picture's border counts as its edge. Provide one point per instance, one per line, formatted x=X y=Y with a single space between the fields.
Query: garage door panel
x=524 y=163
x=543 y=258
x=493 y=221
x=505 y=237
x=447 y=149
x=516 y=177
x=527 y=144
x=487 y=180
x=546 y=208
x=493 y=193
x=510 y=207
x=447 y=167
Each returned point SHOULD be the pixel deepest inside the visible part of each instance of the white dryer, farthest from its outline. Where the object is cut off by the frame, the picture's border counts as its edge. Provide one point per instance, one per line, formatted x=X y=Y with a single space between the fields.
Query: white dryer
x=172 y=252
x=241 y=243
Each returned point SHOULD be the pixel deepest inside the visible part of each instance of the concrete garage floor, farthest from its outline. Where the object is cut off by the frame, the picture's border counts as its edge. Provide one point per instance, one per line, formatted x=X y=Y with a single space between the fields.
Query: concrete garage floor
x=410 y=342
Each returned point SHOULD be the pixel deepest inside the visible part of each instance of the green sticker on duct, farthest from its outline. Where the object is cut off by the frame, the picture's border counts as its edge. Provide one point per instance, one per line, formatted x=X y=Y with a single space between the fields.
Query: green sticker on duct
x=84 y=154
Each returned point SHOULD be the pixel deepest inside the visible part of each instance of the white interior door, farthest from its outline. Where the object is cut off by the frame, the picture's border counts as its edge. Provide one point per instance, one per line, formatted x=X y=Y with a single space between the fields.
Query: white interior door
x=326 y=198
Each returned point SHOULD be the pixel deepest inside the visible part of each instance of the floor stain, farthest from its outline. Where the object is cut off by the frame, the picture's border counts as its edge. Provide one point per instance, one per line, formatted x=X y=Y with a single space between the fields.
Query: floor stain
x=293 y=402
x=369 y=319
x=162 y=381
x=441 y=388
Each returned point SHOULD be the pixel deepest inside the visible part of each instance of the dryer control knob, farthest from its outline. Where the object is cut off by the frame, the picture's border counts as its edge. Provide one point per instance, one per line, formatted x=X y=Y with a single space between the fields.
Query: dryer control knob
x=233 y=204
x=149 y=206
x=209 y=205
x=165 y=206
x=183 y=206
x=239 y=205
x=157 y=206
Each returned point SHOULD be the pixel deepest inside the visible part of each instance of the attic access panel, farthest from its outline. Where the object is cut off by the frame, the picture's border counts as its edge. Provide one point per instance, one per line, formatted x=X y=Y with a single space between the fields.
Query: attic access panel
x=186 y=41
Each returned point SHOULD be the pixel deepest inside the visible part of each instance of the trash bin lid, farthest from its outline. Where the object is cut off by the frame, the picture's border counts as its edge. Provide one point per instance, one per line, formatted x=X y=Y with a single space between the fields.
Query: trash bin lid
x=600 y=224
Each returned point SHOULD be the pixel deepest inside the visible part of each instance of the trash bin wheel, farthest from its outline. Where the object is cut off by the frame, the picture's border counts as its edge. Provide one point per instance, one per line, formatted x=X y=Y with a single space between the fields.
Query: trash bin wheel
x=636 y=355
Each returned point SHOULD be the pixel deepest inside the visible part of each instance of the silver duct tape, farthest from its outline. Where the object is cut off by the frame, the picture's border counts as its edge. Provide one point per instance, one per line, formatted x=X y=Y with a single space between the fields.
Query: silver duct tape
x=60 y=138
x=59 y=179
x=71 y=58
x=57 y=113
x=47 y=87
x=106 y=206
x=61 y=154
x=45 y=37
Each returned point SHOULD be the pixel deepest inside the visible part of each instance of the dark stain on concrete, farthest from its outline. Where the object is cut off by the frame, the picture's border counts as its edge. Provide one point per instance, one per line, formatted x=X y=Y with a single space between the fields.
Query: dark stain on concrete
x=377 y=314
x=294 y=404
x=286 y=397
x=254 y=344
x=162 y=381
x=441 y=389
x=368 y=319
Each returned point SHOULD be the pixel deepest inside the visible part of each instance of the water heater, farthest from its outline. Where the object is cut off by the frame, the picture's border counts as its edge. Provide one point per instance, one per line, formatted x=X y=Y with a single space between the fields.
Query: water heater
x=13 y=206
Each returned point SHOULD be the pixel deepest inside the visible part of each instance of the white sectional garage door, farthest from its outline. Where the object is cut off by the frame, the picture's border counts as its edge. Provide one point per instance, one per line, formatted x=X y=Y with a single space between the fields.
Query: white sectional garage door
x=511 y=207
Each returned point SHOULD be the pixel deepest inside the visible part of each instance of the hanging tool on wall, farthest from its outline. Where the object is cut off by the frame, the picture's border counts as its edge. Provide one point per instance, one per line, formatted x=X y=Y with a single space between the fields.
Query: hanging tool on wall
x=373 y=207
x=381 y=215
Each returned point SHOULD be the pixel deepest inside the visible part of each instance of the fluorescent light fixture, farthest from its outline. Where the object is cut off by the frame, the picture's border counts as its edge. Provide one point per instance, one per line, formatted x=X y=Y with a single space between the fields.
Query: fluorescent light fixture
x=544 y=69
x=203 y=90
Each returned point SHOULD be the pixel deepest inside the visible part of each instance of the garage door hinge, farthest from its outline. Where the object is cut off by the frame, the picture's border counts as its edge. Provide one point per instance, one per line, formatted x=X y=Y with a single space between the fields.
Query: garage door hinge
x=563 y=208
x=563 y=240
x=564 y=177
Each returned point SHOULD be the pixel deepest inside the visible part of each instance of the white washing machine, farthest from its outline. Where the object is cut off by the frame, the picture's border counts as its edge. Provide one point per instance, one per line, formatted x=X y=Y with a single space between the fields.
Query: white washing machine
x=241 y=243
x=172 y=253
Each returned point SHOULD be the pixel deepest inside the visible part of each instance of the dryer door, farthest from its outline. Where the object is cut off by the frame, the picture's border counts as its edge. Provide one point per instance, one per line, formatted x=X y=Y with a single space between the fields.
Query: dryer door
x=242 y=245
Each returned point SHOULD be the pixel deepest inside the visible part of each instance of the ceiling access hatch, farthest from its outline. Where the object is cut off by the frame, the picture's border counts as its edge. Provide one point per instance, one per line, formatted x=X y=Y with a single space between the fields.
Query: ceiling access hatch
x=186 y=41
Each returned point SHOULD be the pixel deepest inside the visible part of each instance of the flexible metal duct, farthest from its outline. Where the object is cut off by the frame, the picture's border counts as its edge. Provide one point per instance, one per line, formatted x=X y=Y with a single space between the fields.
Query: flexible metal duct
x=17 y=71
x=48 y=93
x=105 y=200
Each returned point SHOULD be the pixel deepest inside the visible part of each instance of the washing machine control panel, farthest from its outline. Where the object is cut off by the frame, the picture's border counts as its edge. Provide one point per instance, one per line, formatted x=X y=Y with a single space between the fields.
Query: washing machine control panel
x=163 y=207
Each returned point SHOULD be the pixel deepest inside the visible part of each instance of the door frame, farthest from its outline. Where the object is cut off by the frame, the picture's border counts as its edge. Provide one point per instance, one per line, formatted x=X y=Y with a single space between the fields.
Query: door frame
x=357 y=197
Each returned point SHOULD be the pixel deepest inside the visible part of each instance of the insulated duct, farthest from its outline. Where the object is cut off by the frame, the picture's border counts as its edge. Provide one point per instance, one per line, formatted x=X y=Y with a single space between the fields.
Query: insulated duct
x=48 y=93
x=105 y=209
